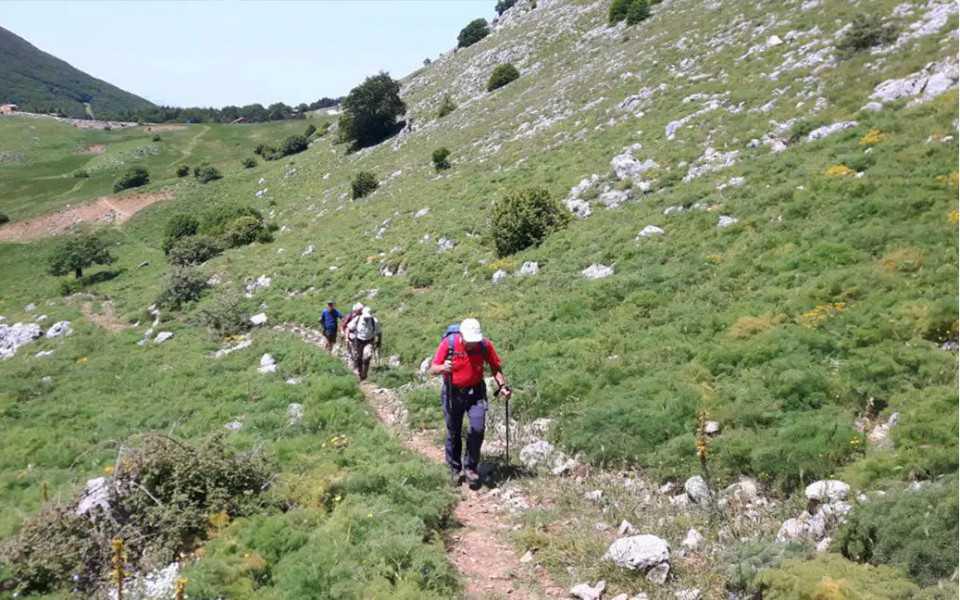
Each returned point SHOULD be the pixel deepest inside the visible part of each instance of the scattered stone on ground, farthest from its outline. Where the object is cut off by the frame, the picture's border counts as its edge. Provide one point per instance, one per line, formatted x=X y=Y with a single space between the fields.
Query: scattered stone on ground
x=499 y=276
x=596 y=271
x=267 y=364
x=16 y=335
x=233 y=426
x=162 y=337
x=650 y=231
x=726 y=221
x=585 y=591
x=529 y=268
x=693 y=540
x=646 y=553
x=96 y=495
x=258 y=319
x=294 y=412
x=697 y=489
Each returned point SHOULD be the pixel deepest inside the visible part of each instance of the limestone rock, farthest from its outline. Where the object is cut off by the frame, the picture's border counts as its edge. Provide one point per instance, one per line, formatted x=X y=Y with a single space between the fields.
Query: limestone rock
x=827 y=130
x=596 y=271
x=627 y=528
x=639 y=552
x=696 y=489
x=16 y=335
x=529 y=268
x=585 y=591
x=258 y=319
x=294 y=413
x=594 y=496
x=726 y=221
x=693 y=540
x=827 y=490
x=499 y=276
x=96 y=495
x=650 y=231
x=690 y=594
x=162 y=337
x=267 y=364
x=614 y=198
x=59 y=328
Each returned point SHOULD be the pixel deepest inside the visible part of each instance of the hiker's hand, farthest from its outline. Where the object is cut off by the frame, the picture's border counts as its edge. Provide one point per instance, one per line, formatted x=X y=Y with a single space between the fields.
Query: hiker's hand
x=506 y=392
x=447 y=367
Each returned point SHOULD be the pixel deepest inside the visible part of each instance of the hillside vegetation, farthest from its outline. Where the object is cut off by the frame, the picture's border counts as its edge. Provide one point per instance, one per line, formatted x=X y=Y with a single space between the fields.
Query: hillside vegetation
x=40 y=82
x=763 y=234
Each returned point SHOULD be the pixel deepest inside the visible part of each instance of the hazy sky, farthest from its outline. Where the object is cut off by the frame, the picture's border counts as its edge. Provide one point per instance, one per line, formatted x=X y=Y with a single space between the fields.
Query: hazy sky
x=228 y=52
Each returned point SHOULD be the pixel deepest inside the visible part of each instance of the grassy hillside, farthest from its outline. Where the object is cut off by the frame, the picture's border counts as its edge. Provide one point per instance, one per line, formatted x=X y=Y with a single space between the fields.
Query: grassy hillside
x=40 y=82
x=42 y=160
x=832 y=296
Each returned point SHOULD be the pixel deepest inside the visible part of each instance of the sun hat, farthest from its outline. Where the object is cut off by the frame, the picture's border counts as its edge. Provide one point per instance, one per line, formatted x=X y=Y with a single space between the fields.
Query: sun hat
x=470 y=330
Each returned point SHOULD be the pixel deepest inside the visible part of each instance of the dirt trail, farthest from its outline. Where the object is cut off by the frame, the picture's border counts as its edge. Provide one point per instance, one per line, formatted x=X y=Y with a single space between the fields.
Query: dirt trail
x=477 y=548
x=106 y=209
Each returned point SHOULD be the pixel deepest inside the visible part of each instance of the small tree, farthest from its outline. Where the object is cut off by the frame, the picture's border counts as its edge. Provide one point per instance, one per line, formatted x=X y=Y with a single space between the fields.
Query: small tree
x=525 y=218
x=179 y=226
x=475 y=31
x=501 y=76
x=637 y=11
x=193 y=250
x=865 y=32
x=76 y=253
x=293 y=145
x=504 y=5
x=363 y=184
x=133 y=177
x=184 y=285
x=618 y=11
x=183 y=171
x=249 y=163
x=206 y=173
x=311 y=129
x=441 y=159
x=370 y=111
x=446 y=106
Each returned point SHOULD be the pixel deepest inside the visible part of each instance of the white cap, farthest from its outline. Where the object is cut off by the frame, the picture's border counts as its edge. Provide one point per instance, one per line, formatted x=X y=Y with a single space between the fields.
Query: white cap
x=366 y=311
x=358 y=306
x=470 y=330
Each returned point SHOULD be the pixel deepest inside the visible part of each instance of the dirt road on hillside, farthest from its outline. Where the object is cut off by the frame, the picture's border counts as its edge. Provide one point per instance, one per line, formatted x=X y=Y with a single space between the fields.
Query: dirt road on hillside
x=477 y=547
x=104 y=210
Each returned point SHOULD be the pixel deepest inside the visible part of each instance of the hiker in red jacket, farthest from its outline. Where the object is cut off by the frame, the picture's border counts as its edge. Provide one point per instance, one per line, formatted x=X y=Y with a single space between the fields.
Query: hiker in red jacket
x=460 y=359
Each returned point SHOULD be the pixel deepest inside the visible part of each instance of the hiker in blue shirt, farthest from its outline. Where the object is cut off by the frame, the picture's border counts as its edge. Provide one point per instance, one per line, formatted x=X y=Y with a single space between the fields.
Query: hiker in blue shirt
x=329 y=317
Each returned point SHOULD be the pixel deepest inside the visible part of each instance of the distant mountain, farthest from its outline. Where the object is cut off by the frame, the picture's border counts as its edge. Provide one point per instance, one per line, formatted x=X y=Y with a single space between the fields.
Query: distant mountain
x=40 y=82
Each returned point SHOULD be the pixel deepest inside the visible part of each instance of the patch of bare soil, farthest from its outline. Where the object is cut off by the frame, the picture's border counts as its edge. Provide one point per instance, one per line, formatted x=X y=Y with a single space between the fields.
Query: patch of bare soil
x=478 y=547
x=106 y=318
x=94 y=149
x=104 y=210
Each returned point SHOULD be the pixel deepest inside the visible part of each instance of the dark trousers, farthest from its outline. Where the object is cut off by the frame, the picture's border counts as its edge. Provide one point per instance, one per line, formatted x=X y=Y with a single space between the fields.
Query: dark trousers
x=457 y=402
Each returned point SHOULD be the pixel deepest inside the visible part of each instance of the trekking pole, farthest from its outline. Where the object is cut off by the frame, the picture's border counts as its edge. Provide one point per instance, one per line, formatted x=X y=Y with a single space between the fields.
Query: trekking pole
x=506 y=409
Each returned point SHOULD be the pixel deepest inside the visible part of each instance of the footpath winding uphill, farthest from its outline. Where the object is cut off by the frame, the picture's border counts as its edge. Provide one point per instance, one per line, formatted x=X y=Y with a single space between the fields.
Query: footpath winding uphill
x=477 y=546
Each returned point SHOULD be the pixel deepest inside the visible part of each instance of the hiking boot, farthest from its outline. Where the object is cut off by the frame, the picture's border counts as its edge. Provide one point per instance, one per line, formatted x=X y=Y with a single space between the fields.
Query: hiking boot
x=473 y=478
x=455 y=478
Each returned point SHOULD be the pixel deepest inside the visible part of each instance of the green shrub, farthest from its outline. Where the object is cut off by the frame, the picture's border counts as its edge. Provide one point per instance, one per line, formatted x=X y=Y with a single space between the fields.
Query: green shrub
x=216 y=219
x=914 y=530
x=225 y=316
x=179 y=226
x=4 y=218
x=524 y=219
x=206 y=173
x=504 y=5
x=446 y=106
x=618 y=11
x=183 y=171
x=243 y=231
x=747 y=560
x=441 y=159
x=475 y=31
x=501 y=76
x=637 y=11
x=801 y=129
x=156 y=138
x=310 y=130
x=183 y=285
x=133 y=177
x=81 y=174
x=193 y=250
x=248 y=163
x=421 y=280
x=293 y=145
x=363 y=184
x=260 y=149
x=171 y=489
x=865 y=32
x=832 y=577
x=78 y=252
x=370 y=111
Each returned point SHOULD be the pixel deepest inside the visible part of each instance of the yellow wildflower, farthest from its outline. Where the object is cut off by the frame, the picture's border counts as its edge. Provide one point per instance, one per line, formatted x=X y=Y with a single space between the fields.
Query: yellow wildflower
x=839 y=171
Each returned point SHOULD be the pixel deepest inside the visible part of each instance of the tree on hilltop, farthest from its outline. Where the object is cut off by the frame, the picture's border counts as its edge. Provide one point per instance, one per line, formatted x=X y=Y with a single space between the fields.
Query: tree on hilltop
x=371 y=110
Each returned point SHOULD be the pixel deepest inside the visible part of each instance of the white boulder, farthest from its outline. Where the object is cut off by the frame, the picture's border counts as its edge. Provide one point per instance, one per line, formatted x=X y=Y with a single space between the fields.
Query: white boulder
x=697 y=489
x=267 y=364
x=258 y=319
x=827 y=490
x=498 y=276
x=596 y=271
x=638 y=552
x=650 y=231
x=162 y=337
x=585 y=591
x=59 y=328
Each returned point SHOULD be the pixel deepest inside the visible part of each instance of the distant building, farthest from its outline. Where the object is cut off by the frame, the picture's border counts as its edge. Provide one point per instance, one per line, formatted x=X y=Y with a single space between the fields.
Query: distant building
x=6 y=109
